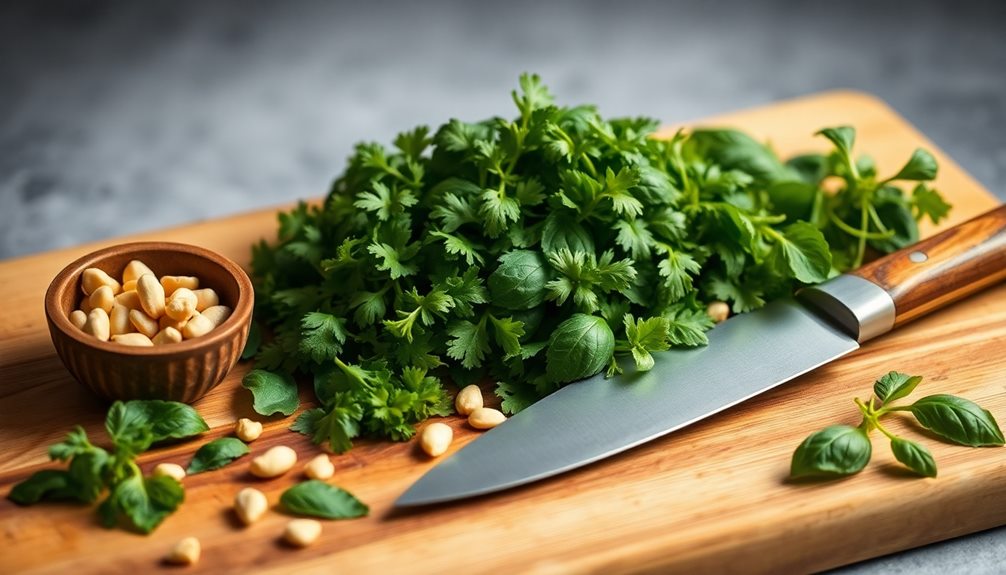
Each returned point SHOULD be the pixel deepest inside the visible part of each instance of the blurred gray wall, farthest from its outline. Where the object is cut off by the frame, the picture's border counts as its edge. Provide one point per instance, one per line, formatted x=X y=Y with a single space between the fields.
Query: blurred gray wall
x=117 y=117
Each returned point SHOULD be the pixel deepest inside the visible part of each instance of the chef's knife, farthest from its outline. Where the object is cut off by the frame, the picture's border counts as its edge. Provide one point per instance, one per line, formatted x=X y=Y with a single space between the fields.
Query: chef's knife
x=747 y=355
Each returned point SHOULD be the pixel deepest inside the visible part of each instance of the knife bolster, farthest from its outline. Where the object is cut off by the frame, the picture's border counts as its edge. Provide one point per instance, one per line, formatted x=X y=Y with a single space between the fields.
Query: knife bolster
x=860 y=307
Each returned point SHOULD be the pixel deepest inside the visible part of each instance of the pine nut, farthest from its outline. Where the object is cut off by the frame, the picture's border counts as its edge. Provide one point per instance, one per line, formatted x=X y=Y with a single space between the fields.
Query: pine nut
x=274 y=462
x=129 y=299
x=486 y=418
x=468 y=400
x=247 y=430
x=143 y=323
x=103 y=298
x=164 y=322
x=250 y=504
x=151 y=295
x=181 y=305
x=718 y=310
x=129 y=286
x=93 y=278
x=97 y=324
x=172 y=470
x=205 y=298
x=78 y=318
x=302 y=532
x=205 y=322
x=133 y=271
x=171 y=283
x=185 y=552
x=167 y=335
x=320 y=467
x=435 y=438
x=118 y=320
x=133 y=339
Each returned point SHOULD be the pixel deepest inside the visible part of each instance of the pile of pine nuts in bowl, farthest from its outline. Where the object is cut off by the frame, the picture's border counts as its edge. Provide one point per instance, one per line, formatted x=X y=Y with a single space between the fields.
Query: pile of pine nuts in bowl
x=150 y=320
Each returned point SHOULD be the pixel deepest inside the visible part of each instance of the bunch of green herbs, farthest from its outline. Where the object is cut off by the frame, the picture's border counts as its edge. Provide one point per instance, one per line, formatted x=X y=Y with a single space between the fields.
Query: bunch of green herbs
x=536 y=250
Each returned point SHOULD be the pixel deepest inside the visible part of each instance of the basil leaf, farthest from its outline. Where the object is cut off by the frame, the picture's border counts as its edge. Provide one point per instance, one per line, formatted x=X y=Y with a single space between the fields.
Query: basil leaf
x=580 y=347
x=272 y=392
x=735 y=150
x=958 y=420
x=49 y=484
x=801 y=251
x=519 y=281
x=895 y=385
x=834 y=451
x=319 y=499
x=920 y=167
x=915 y=456
x=138 y=423
x=217 y=454
x=87 y=472
x=142 y=503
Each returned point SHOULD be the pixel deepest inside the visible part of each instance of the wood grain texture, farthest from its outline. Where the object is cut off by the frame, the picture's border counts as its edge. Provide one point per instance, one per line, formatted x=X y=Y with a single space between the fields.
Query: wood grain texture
x=944 y=268
x=710 y=498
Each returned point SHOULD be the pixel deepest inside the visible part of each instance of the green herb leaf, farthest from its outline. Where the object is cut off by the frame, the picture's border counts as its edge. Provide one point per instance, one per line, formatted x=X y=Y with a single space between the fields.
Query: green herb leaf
x=272 y=392
x=217 y=454
x=802 y=252
x=895 y=385
x=958 y=420
x=920 y=167
x=322 y=337
x=139 y=423
x=47 y=484
x=519 y=281
x=929 y=203
x=834 y=451
x=915 y=456
x=580 y=347
x=142 y=503
x=319 y=499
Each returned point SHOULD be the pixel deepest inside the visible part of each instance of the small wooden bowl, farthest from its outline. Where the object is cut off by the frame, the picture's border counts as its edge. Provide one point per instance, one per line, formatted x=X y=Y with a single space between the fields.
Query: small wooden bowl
x=182 y=371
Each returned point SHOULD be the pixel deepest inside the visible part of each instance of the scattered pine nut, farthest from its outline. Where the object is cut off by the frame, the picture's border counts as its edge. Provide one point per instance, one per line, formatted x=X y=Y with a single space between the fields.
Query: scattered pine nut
x=320 y=467
x=468 y=400
x=435 y=438
x=274 y=462
x=718 y=310
x=250 y=504
x=486 y=418
x=185 y=552
x=247 y=430
x=302 y=532
x=172 y=470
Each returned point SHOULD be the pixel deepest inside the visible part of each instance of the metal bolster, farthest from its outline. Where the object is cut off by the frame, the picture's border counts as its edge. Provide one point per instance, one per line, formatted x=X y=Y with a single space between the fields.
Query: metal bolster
x=859 y=306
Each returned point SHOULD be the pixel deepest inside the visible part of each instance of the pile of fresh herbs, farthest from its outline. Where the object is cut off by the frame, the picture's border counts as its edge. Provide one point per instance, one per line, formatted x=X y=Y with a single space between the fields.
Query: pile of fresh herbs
x=534 y=250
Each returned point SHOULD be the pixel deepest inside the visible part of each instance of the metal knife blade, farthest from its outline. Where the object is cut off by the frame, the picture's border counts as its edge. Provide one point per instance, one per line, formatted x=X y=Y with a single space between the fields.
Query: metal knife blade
x=597 y=417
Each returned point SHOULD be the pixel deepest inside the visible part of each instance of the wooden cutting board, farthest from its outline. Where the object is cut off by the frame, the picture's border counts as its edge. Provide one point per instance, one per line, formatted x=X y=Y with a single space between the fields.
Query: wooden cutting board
x=713 y=497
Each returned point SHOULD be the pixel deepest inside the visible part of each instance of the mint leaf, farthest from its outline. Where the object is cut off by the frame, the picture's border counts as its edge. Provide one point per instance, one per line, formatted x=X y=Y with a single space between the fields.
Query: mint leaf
x=217 y=454
x=318 y=499
x=271 y=392
x=834 y=451
x=957 y=419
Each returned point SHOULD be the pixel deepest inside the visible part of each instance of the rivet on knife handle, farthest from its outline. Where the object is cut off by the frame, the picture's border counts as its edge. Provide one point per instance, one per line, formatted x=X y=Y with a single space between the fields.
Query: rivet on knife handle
x=918 y=279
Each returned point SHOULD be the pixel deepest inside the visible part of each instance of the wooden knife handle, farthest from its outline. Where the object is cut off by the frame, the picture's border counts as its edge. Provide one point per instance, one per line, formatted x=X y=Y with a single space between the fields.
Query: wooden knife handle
x=944 y=268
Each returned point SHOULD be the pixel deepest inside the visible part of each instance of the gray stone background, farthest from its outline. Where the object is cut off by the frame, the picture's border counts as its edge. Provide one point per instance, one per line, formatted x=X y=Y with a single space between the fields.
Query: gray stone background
x=118 y=117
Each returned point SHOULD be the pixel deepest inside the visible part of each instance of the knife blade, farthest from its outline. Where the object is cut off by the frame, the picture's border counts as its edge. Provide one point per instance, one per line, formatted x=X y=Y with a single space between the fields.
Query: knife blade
x=747 y=355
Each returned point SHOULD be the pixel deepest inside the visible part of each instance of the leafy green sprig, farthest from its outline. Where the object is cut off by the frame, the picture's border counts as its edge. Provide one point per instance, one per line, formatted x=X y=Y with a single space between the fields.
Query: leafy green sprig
x=534 y=250
x=138 y=502
x=841 y=450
